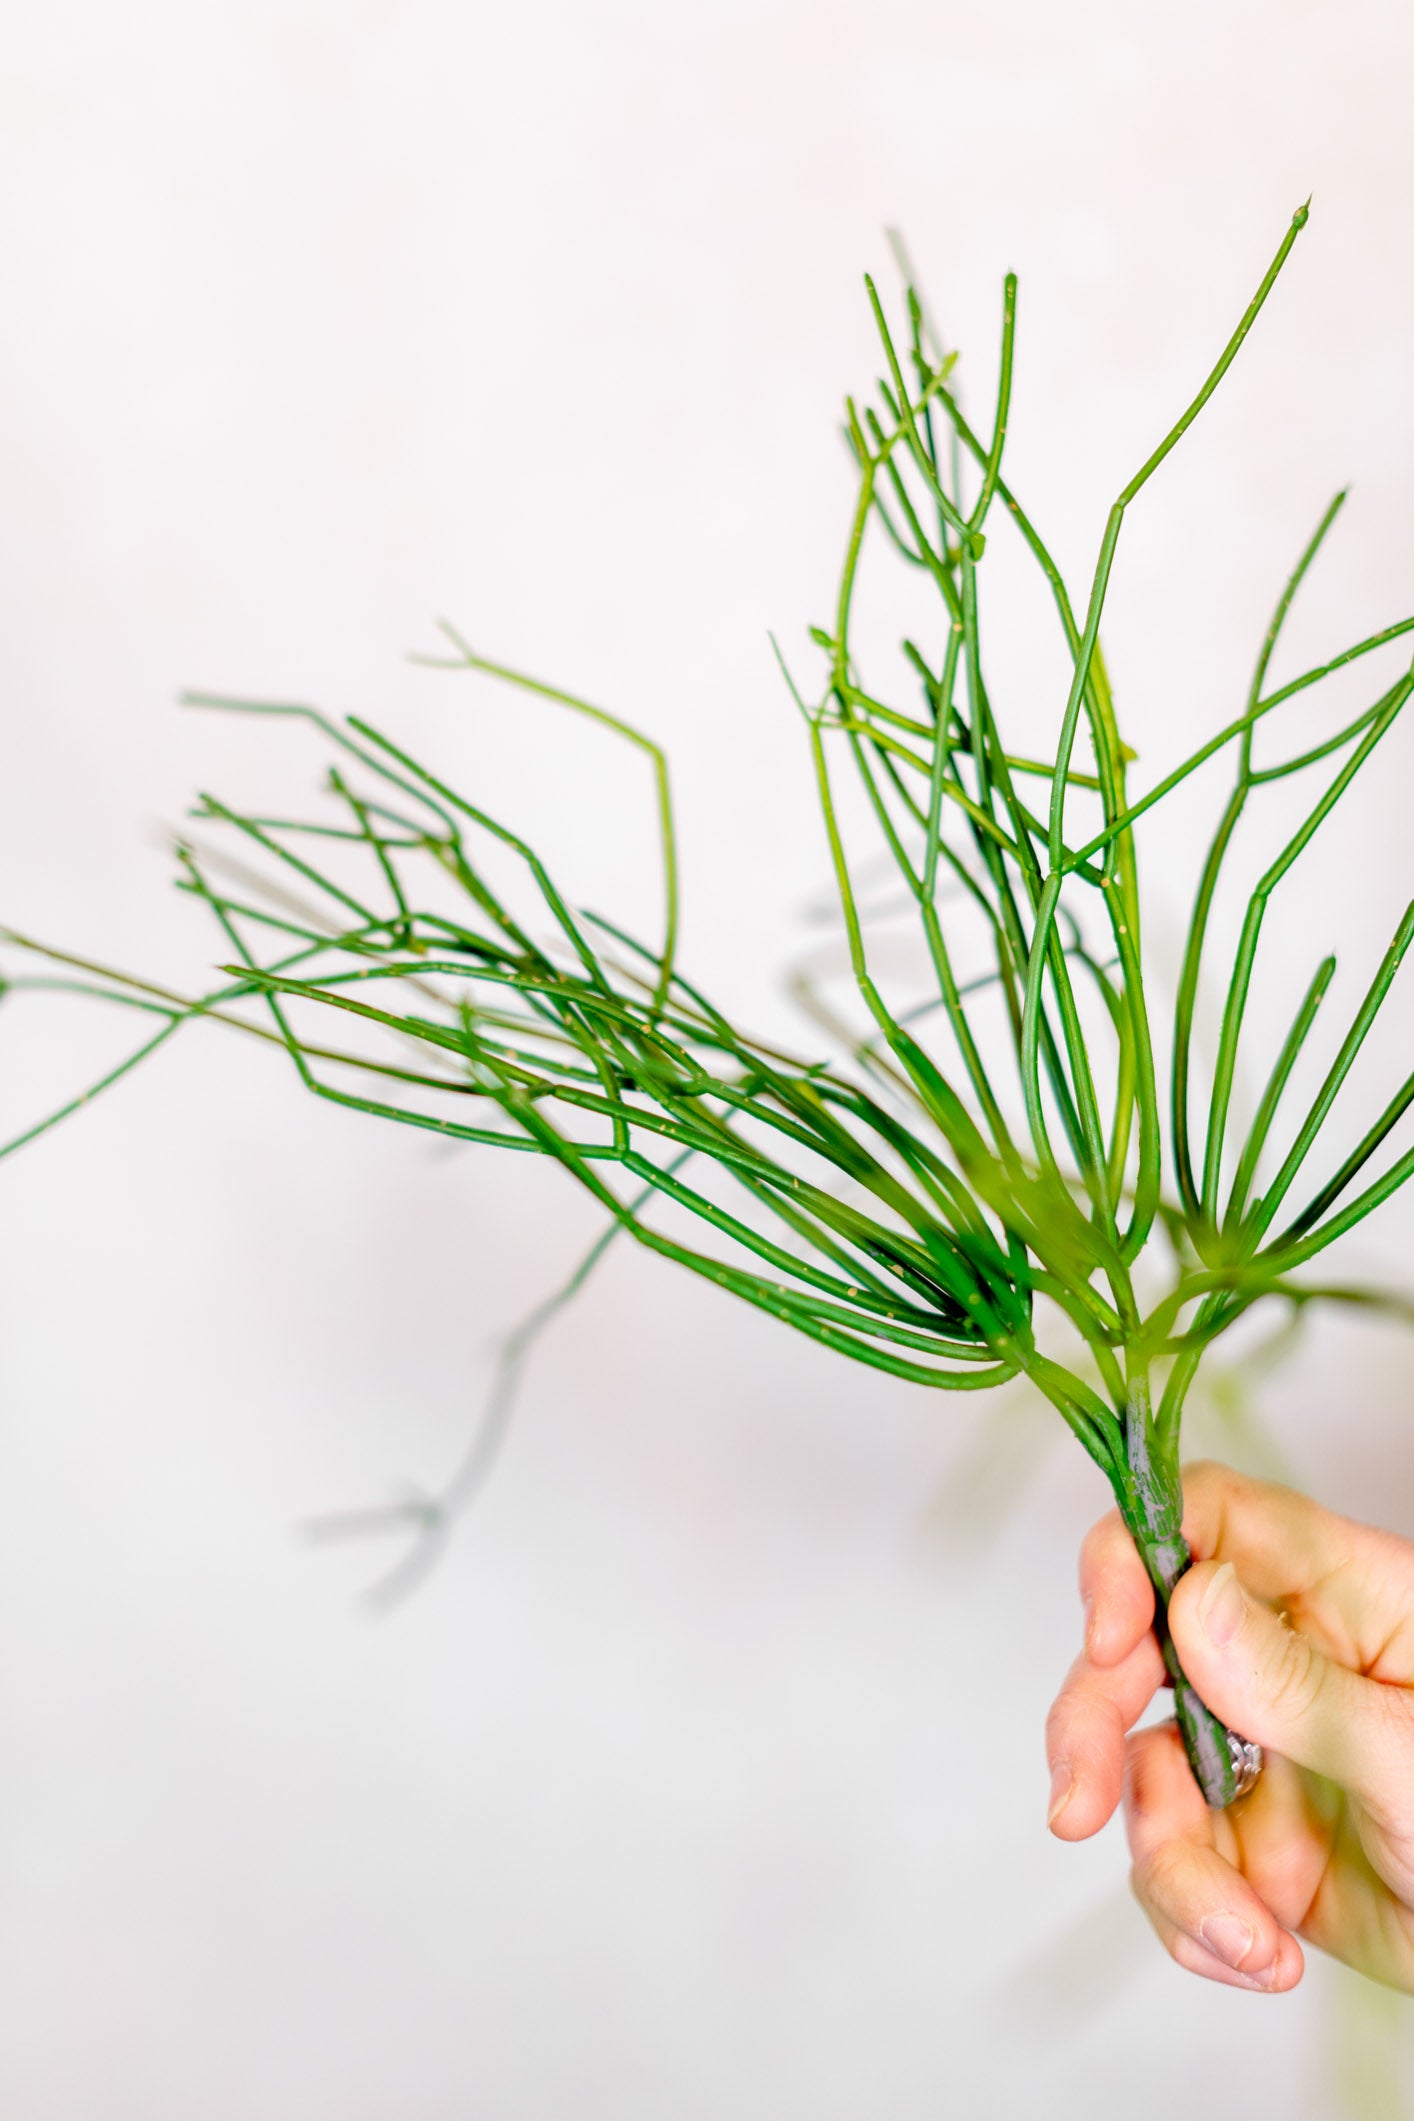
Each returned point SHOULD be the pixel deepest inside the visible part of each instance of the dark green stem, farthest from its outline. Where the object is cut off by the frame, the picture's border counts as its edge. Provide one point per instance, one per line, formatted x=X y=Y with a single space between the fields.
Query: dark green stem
x=1152 y=1508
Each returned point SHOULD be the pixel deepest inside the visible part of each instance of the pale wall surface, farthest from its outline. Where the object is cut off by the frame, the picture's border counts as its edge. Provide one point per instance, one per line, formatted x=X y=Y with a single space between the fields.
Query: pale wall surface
x=706 y=1777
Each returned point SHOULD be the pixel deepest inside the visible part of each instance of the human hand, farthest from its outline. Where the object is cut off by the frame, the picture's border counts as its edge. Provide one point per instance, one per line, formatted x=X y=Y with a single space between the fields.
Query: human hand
x=1297 y=1628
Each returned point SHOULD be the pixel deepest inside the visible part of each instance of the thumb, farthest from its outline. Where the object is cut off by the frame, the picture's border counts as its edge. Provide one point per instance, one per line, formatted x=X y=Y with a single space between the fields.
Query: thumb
x=1272 y=1684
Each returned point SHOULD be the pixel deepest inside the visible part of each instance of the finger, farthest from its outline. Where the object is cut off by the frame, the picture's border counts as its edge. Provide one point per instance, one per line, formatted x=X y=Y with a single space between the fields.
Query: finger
x=1204 y=1912
x=1272 y=1683
x=1085 y=1737
x=1281 y=1838
x=1115 y=1590
x=1350 y=1586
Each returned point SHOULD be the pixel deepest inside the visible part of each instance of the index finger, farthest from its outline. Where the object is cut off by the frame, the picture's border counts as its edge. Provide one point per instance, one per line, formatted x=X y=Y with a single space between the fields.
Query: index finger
x=1346 y=1585
x=1115 y=1590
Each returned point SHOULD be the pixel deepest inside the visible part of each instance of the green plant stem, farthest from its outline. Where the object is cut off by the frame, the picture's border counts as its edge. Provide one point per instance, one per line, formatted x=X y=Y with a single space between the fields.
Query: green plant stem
x=1150 y=1498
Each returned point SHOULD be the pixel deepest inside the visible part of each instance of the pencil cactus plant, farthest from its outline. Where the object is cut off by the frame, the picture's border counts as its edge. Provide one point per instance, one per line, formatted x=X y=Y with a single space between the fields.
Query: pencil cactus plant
x=972 y=1171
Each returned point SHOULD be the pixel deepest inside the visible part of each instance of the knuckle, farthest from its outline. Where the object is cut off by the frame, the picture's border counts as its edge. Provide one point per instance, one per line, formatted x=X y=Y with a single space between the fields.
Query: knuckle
x=1141 y=1888
x=1222 y=1479
x=1154 y=1877
x=1065 y=1711
x=1296 y=1677
x=1210 y=1478
x=1142 y=1761
x=1210 y=1489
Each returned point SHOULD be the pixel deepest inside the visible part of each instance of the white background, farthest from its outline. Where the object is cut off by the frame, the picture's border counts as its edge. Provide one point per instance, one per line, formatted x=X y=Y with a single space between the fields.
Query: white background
x=705 y=1778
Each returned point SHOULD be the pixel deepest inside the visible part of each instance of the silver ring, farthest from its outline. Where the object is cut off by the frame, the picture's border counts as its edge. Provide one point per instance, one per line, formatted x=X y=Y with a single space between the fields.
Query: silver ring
x=1246 y=1763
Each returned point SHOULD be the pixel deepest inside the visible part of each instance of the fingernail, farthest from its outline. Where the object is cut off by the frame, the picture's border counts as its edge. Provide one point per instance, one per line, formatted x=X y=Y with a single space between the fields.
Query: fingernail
x=1228 y=1938
x=1222 y=1606
x=1062 y=1785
